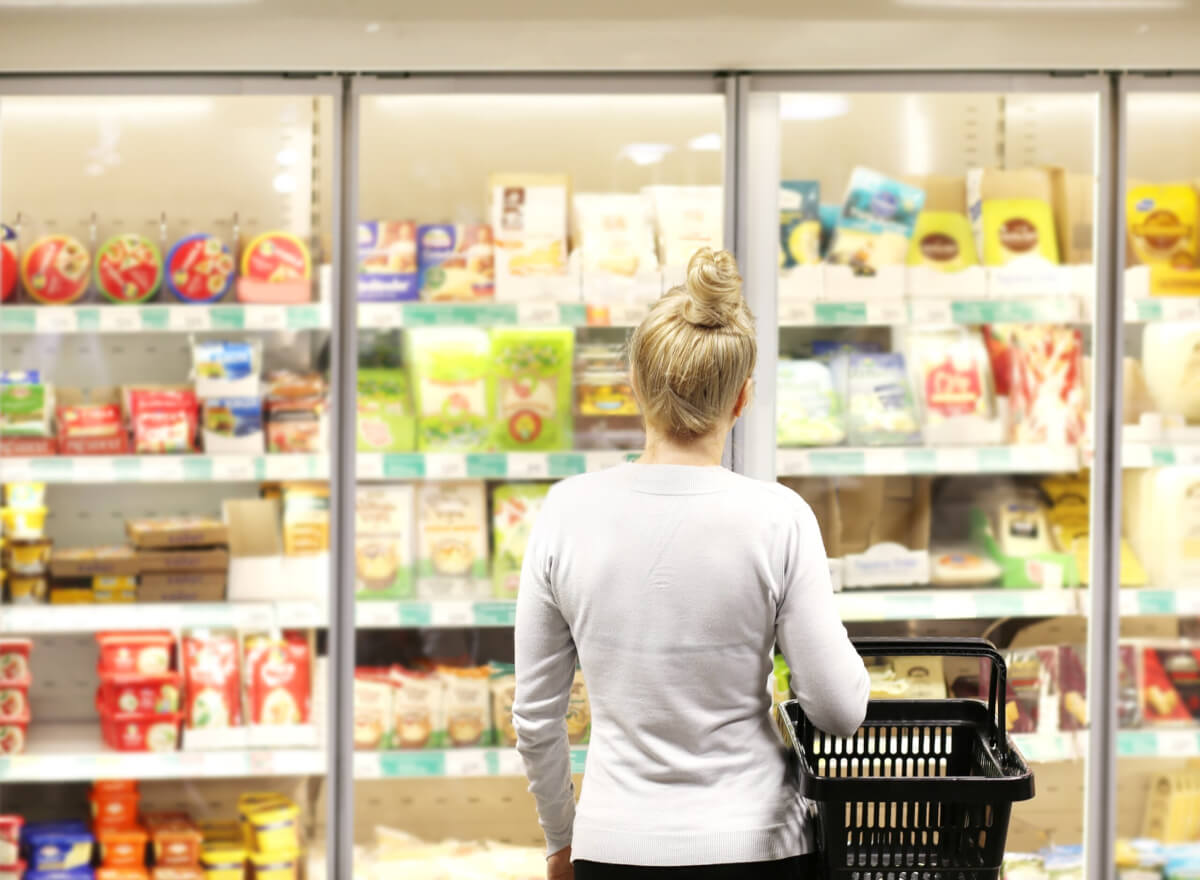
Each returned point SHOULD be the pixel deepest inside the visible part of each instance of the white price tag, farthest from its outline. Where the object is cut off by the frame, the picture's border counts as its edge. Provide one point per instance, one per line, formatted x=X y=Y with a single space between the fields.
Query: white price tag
x=380 y=316
x=888 y=312
x=1178 y=743
x=252 y=616
x=528 y=466
x=598 y=461
x=1128 y=603
x=86 y=469
x=369 y=466
x=885 y=461
x=932 y=311
x=792 y=462
x=445 y=466
x=538 y=312
x=796 y=313
x=287 y=467
x=367 y=766
x=377 y=615
x=188 y=318
x=55 y=319
x=119 y=319
x=955 y=607
x=233 y=468
x=1187 y=455
x=1181 y=309
x=1187 y=602
x=1052 y=576
x=298 y=615
x=957 y=461
x=510 y=763
x=453 y=613
x=627 y=314
x=15 y=470
x=266 y=318
x=161 y=469
x=466 y=762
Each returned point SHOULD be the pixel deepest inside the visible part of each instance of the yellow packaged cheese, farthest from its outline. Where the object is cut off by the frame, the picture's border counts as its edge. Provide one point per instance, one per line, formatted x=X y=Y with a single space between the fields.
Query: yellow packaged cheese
x=1018 y=229
x=1162 y=224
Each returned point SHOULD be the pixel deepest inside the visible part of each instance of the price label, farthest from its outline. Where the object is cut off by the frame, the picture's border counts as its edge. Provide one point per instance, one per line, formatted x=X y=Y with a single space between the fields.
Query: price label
x=796 y=313
x=887 y=461
x=537 y=313
x=380 y=316
x=262 y=763
x=16 y=469
x=1178 y=743
x=1128 y=603
x=528 y=466
x=161 y=469
x=598 y=461
x=453 y=613
x=466 y=762
x=1187 y=455
x=298 y=615
x=115 y=319
x=509 y=763
x=367 y=766
x=234 y=468
x=56 y=319
x=376 y=615
x=932 y=311
x=1181 y=309
x=265 y=318
x=369 y=466
x=792 y=463
x=626 y=314
x=445 y=466
x=289 y=467
x=957 y=461
x=252 y=616
x=100 y=470
x=188 y=318
x=887 y=312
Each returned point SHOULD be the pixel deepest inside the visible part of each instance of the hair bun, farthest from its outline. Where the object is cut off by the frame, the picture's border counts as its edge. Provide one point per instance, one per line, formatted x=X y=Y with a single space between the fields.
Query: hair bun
x=714 y=289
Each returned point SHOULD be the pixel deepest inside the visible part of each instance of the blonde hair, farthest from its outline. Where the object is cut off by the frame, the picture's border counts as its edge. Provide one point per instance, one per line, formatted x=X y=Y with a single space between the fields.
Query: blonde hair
x=693 y=353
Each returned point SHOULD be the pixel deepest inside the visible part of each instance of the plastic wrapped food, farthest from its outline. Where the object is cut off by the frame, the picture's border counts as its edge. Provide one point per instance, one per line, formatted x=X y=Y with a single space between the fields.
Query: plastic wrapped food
x=808 y=407
x=450 y=384
x=1046 y=397
x=881 y=410
x=26 y=404
x=530 y=388
x=612 y=234
x=876 y=222
x=54 y=270
x=213 y=679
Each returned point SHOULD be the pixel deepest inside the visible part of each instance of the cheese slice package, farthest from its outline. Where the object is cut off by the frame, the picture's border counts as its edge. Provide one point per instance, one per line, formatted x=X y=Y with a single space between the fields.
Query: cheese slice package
x=1162 y=222
x=942 y=240
x=1018 y=229
x=876 y=224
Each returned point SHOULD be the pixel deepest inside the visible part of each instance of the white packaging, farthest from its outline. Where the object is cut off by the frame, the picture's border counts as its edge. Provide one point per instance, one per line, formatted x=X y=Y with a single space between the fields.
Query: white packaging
x=529 y=222
x=686 y=219
x=613 y=234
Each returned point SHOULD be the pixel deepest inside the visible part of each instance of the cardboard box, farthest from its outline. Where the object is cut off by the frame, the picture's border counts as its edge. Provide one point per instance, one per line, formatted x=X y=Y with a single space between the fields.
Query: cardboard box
x=211 y=559
x=943 y=192
x=90 y=421
x=177 y=532
x=192 y=586
x=884 y=526
x=93 y=561
x=1074 y=200
x=258 y=570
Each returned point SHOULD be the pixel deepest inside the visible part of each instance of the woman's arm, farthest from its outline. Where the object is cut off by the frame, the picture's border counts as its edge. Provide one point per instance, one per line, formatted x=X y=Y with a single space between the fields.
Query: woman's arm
x=828 y=677
x=545 y=656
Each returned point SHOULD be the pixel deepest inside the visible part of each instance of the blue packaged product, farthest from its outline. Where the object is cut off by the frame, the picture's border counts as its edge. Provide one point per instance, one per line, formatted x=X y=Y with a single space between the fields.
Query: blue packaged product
x=799 y=223
x=227 y=369
x=57 y=847
x=76 y=874
x=233 y=416
x=877 y=220
x=828 y=215
x=199 y=269
x=456 y=262
x=387 y=261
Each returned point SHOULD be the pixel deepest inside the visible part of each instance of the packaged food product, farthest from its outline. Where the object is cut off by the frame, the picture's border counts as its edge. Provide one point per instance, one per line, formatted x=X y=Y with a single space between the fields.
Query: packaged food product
x=116 y=583
x=122 y=847
x=276 y=865
x=14 y=701
x=529 y=221
x=799 y=223
x=271 y=822
x=8 y=263
x=1163 y=221
x=962 y=567
x=128 y=872
x=57 y=846
x=164 y=419
x=176 y=531
x=417 y=701
x=305 y=519
x=515 y=507
x=687 y=218
x=140 y=731
x=1018 y=229
x=14 y=661
x=372 y=708
x=54 y=270
x=135 y=653
x=64 y=594
x=530 y=382
x=612 y=233
x=387 y=260
x=175 y=838
x=112 y=807
x=1046 y=395
x=26 y=404
x=233 y=426
x=384 y=541
x=24 y=524
x=10 y=839
x=220 y=831
x=181 y=559
x=450 y=385
x=880 y=410
x=503 y=686
x=223 y=860
x=25 y=494
x=876 y=223
x=90 y=421
x=226 y=369
x=128 y=268
x=297 y=413
x=275 y=257
x=199 y=269
x=579 y=713
x=212 y=679
x=1170 y=692
x=278 y=679
x=13 y=734
x=467 y=705
x=386 y=421
x=942 y=240
x=953 y=375
x=29 y=557
x=808 y=408
x=456 y=262
x=452 y=530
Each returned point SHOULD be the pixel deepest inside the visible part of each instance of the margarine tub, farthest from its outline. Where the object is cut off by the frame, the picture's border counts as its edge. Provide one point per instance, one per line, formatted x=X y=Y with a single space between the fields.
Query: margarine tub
x=25 y=523
x=271 y=824
x=25 y=495
x=223 y=860
x=276 y=865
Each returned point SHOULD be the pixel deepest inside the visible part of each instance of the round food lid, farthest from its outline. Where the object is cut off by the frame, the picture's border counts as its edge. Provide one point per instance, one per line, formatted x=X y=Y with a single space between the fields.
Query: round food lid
x=55 y=269
x=8 y=263
x=199 y=269
x=276 y=257
x=128 y=268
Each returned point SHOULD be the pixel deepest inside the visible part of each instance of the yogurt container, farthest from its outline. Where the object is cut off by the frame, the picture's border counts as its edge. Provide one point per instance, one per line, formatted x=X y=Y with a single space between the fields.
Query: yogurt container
x=29 y=557
x=58 y=846
x=13 y=734
x=271 y=823
x=175 y=838
x=24 y=523
x=140 y=731
x=276 y=257
x=28 y=589
x=10 y=839
x=14 y=661
x=276 y=865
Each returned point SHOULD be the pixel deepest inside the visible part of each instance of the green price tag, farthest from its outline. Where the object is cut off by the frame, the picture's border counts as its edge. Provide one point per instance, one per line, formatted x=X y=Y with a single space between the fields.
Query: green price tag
x=303 y=317
x=17 y=320
x=573 y=314
x=487 y=465
x=495 y=613
x=578 y=760
x=996 y=459
x=227 y=317
x=87 y=320
x=826 y=463
x=1156 y=602
x=154 y=318
x=1000 y=604
x=403 y=465
x=415 y=614
x=198 y=470
x=409 y=765
x=1162 y=456
x=836 y=314
x=920 y=461
x=1149 y=310
x=1136 y=744
x=566 y=464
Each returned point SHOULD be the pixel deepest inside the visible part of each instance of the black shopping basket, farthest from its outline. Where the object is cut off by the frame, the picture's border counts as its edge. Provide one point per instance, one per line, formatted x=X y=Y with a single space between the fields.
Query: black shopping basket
x=924 y=789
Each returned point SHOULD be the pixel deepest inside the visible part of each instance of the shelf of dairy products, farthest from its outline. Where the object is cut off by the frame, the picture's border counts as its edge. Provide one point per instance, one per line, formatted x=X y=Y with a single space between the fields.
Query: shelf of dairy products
x=882 y=460
x=145 y=616
x=53 y=320
x=449 y=763
x=76 y=753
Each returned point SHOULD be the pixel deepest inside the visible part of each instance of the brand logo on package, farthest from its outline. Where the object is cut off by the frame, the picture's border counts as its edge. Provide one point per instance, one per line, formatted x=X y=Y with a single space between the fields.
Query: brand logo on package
x=1162 y=230
x=1018 y=235
x=883 y=204
x=939 y=247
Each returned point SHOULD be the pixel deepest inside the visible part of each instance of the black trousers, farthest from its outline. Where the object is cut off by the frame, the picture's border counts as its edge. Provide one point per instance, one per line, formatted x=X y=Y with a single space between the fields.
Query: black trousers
x=798 y=868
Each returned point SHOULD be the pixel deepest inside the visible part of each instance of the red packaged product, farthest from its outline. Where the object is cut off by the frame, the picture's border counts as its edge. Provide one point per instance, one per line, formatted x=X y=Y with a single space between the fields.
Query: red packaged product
x=13 y=734
x=212 y=681
x=10 y=840
x=14 y=701
x=176 y=839
x=115 y=786
x=163 y=419
x=128 y=872
x=278 y=679
x=12 y=872
x=113 y=807
x=91 y=429
x=135 y=653
x=178 y=872
x=14 y=661
x=122 y=847
x=141 y=693
x=140 y=732
x=1046 y=397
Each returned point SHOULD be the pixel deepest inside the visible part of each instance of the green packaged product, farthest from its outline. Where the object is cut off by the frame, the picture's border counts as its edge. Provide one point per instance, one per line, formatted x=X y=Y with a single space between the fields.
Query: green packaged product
x=385 y=414
x=450 y=382
x=530 y=382
x=515 y=506
x=26 y=404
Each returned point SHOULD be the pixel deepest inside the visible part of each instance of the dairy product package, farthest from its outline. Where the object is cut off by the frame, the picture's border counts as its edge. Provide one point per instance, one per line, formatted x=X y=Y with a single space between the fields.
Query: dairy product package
x=529 y=222
x=613 y=233
x=686 y=219
x=876 y=224
x=953 y=375
x=799 y=223
x=452 y=530
x=387 y=260
x=456 y=262
x=384 y=541
x=1018 y=229
x=881 y=408
x=942 y=240
x=1046 y=393
x=515 y=507
x=809 y=408
x=1162 y=222
x=450 y=369
x=1171 y=362
x=530 y=387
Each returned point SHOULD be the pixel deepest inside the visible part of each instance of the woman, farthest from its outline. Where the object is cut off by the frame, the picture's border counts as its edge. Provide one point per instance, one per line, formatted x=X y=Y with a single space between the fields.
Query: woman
x=670 y=580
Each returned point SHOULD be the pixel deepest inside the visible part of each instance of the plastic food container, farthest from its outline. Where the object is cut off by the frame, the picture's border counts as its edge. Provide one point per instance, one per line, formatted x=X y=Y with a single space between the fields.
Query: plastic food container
x=58 y=846
x=271 y=824
x=24 y=523
x=128 y=268
x=114 y=808
x=223 y=860
x=25 y=494
x=136 y=653
x=10 y=839
x=107 y=787
x=14 y=661
x=14 y=703
x=176 y=839
x=179 y=872
x=140 y=732
x=199 y=269
x=126 y=873
x=13 y=733
x=28 y=589
x=145 y=694
x=122 y=847
x=276 y=865
x=29 y=557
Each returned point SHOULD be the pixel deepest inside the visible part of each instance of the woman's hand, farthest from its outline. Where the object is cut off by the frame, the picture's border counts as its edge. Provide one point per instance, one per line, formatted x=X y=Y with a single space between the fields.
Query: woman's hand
x=558 y=866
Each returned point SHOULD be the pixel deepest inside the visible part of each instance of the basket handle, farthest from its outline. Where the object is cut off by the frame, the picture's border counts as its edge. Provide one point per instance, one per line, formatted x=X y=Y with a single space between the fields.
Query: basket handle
x=884 y=646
